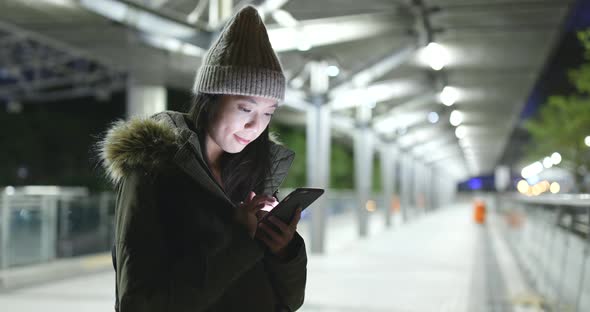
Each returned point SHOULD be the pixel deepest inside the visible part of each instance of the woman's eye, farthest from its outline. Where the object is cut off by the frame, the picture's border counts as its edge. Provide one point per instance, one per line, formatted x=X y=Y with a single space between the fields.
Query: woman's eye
x=268 y=114
x=245 y=109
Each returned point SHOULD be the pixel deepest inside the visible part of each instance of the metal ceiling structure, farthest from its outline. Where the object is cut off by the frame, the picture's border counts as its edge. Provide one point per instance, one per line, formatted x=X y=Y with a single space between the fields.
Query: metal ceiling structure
x=486 y=57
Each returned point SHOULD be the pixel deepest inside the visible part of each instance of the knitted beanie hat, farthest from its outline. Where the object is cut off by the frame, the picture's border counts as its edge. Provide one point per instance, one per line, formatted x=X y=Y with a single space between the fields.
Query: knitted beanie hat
x=241 y=61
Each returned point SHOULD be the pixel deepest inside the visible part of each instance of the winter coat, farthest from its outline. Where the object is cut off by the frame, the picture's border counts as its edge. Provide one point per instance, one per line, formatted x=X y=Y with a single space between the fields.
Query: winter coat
x=177 y=245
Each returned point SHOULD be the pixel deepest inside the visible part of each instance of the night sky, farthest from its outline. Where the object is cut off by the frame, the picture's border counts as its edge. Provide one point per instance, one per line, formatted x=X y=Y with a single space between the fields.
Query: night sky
x=568 y=54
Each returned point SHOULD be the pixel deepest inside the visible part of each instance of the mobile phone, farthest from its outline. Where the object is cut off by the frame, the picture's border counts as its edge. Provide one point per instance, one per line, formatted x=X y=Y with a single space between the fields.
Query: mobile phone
x=301 y=197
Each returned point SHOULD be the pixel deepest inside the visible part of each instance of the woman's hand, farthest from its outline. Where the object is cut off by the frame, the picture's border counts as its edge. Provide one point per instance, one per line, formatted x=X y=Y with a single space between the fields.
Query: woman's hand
x=247 y=212
x=278 y=239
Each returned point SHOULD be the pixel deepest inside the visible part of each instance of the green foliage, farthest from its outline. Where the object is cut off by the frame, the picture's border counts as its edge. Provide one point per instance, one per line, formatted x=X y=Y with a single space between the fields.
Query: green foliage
x=341 y=167
x=294 y=139
x=341 y=159
x=562 y=125
x=564 y=121
x=580 y=77
x=376 y=173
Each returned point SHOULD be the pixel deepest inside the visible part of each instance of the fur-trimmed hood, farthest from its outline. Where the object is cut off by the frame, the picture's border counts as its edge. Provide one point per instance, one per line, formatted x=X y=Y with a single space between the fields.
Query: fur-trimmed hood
x=150 y=143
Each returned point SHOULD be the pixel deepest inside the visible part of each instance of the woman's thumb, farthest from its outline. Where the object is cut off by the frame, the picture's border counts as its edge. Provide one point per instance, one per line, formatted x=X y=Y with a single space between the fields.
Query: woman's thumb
x=251 y=196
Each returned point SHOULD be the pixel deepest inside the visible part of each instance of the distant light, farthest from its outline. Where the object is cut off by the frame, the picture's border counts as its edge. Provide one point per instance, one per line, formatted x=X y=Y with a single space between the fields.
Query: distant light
x=333 y=71
x=533 y=180
x=556 y=157
x=547 y=162
x=436 y=56
x=460 y=132
x=9 y=190
x=475 y=184
x=587 y=141
x=448 y=96
x=532 y=170
x=371 y=205
x=537 y=190
x=544 y=186
x=522 y=186
x=456 y=118
x=433 y=117
x=303 y=46
x=554 y=188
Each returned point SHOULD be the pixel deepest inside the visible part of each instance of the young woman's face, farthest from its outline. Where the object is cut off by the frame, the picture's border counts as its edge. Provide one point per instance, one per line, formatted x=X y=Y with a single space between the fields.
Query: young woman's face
x=239 y=120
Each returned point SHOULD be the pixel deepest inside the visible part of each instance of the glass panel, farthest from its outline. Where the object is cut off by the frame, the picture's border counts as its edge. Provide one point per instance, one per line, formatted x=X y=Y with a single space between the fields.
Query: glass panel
x=84 y=226
x=24 y=242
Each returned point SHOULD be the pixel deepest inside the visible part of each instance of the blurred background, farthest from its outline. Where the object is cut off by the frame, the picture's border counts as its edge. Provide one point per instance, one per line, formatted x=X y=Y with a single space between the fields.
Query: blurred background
x=453 y=137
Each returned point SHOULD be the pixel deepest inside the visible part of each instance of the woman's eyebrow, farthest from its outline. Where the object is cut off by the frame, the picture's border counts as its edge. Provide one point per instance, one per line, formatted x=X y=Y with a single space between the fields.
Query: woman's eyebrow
x=254 y=102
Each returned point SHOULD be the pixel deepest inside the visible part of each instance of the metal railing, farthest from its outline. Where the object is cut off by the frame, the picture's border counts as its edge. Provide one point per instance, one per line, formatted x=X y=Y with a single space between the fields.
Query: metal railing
x=42 y=224
x=550 y=237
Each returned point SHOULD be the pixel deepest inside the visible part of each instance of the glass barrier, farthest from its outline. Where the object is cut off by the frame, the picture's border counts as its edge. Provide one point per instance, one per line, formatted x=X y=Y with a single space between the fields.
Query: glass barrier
x=53 y=223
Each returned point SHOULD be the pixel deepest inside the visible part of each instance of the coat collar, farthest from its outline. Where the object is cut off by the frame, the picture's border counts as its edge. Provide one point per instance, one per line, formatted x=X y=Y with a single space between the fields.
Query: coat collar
x=166 y=138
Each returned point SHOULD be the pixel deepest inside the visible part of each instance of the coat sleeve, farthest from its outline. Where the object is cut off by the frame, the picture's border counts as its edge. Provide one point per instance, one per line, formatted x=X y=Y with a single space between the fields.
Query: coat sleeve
x=155 y=271
x=289 y=276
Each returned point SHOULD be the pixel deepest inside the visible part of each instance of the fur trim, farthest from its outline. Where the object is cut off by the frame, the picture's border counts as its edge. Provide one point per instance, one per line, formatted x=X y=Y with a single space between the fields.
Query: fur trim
x=138 y=143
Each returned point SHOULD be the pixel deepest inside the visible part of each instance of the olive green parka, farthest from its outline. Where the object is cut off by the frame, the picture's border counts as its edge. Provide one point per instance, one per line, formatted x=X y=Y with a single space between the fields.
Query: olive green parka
x=177 y=245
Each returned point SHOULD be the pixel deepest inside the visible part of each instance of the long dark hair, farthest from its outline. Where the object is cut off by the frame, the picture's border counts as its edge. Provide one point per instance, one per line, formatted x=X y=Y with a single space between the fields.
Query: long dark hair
x=240 y=172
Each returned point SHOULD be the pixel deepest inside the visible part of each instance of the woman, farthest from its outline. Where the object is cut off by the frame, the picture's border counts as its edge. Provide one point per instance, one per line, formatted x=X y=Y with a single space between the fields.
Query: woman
x=191 y=188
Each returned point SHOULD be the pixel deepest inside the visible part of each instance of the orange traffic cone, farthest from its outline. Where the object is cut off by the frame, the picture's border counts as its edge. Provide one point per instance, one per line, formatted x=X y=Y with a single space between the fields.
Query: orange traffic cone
x=479 y=212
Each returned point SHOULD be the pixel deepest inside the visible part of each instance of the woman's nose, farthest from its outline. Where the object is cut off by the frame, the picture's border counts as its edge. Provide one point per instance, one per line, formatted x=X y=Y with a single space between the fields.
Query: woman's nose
x=252 y=123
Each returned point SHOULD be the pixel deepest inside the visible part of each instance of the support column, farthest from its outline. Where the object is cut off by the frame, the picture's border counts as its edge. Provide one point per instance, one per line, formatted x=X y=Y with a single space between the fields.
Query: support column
x=363 y=165
x=406 y=187
x=388 y=174
x=427 y=188
x=417 y=187
x=4 y=230
x=318 y=151
x=219 y=12
x=144 y=100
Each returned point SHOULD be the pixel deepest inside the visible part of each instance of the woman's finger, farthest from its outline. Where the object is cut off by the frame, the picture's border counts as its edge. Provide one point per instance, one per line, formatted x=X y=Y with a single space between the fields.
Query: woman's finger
x=281 y=238
x=296 y=219
x=268 y=238
x=260 y=214
x=250 y=196
x=280 y=224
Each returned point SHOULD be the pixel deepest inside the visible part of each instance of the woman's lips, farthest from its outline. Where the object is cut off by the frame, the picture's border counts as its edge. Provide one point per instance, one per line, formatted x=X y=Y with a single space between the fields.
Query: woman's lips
x=241 y=140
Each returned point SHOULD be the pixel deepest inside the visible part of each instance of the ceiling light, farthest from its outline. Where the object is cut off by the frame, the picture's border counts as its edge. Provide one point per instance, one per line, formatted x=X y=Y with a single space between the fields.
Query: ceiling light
x=456 y=118
x=448 y=96
x=303 y=46
x=460 y=132
x=333 y=71
x=433 y=117
x=284 y=18
x=436 y=56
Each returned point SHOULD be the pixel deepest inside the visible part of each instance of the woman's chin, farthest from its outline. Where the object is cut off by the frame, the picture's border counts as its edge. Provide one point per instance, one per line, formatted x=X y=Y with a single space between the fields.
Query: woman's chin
x=234 y=149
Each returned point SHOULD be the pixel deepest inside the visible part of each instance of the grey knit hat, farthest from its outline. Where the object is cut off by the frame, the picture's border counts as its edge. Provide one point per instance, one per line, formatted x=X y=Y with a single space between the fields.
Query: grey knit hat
x=241 y=61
